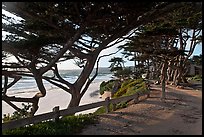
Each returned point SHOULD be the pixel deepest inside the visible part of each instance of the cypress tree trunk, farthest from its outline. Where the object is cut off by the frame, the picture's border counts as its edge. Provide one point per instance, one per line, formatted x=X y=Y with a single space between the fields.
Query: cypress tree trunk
x=78 y=90
x=184 y=80
x=75 y=99
x=169 y=72
x=41 y=87
x=178 y=78
x=172 y=75
x=163 y=79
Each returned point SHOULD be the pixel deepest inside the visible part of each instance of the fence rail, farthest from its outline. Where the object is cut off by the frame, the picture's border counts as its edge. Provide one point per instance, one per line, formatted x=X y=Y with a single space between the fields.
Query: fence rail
x=57 y=113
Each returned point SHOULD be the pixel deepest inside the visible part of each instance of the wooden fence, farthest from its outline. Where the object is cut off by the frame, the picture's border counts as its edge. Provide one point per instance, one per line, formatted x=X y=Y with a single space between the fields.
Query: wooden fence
x=57 y=113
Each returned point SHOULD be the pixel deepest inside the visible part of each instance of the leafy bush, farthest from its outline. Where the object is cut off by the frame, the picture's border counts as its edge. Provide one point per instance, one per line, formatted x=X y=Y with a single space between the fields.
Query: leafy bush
x=121 y=105
x=123 y=89
x=102 y=109
x=106 y=86
x=128 y=87
x=65 y=126
x=23 y=113
x=126 y=82
x=123 y=73
x=197 y=78
x=140 y=88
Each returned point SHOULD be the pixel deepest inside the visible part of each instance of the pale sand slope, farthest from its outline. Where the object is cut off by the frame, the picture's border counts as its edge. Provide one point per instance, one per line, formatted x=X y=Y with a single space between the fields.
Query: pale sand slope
x=180 y=114
x=57 y=97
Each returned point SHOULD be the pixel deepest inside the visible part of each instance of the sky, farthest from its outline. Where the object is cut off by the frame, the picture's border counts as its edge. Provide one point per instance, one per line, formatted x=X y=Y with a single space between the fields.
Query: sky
x=104 y=62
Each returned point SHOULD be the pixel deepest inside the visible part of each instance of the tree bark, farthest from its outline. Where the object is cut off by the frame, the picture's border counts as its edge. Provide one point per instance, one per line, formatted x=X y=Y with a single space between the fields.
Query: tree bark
x=169 y=72
x=75 y=98
x=163 y=79
x=80 y=86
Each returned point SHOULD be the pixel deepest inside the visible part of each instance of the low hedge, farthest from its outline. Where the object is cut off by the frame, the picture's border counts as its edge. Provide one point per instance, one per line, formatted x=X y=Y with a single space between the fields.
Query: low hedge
x=128 y=87
x=106 y=86
x=123 y=88
x=66 y=126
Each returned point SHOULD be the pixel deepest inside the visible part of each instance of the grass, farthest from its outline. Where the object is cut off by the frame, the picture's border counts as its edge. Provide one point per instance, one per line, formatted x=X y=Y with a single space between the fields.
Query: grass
x=66 y=126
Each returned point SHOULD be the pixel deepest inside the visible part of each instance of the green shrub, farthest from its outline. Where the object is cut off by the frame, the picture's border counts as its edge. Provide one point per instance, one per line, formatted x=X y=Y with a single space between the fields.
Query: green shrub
x=126 y=82
x=23 y=113
x=123 y=73
x=128 y=87
x=130 y=91
x=197 y=78
x=65 y=126
x=123 y=89
x=102 y=109
x=106 y=86
x=121 y=105
x=139 y=88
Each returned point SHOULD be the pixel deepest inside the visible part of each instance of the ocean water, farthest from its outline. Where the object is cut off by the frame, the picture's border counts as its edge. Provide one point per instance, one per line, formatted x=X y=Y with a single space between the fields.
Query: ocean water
x=26 y=87
x=27 y=84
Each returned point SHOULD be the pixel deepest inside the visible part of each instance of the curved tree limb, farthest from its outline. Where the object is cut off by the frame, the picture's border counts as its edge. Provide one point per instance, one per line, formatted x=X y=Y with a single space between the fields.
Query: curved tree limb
x=97 y=66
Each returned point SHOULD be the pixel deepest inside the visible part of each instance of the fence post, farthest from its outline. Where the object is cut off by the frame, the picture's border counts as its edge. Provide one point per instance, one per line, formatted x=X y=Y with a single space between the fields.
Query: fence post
x=56 y=110
x=114 y=107
x=136 y=99
x=148 y=94
x=107 y=106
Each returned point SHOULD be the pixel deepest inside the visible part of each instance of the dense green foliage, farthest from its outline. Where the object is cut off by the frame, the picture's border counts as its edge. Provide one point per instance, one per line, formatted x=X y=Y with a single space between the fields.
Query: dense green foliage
x=123 y=73
x=126 y=82
x=196 y=78
x=197 y=60
x=25 y=112
x=66 y=126
x=123 y=89
x=127 y=88
x=102 y=109
x=130 y=86
x=106 y=86
x=139 y=88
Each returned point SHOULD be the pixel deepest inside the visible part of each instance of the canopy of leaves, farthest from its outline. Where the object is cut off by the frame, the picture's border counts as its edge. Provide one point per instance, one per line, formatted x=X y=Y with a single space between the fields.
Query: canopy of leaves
x=159 y=37
x=197 y=59
x=117 y=63
x=46 y=27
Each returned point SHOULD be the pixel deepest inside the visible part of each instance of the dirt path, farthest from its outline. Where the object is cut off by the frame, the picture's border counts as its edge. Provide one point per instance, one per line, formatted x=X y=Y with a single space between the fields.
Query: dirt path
x=180 y=114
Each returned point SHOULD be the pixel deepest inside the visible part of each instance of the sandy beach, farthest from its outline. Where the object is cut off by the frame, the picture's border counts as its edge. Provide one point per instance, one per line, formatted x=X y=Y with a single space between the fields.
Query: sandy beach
x=57 y=97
